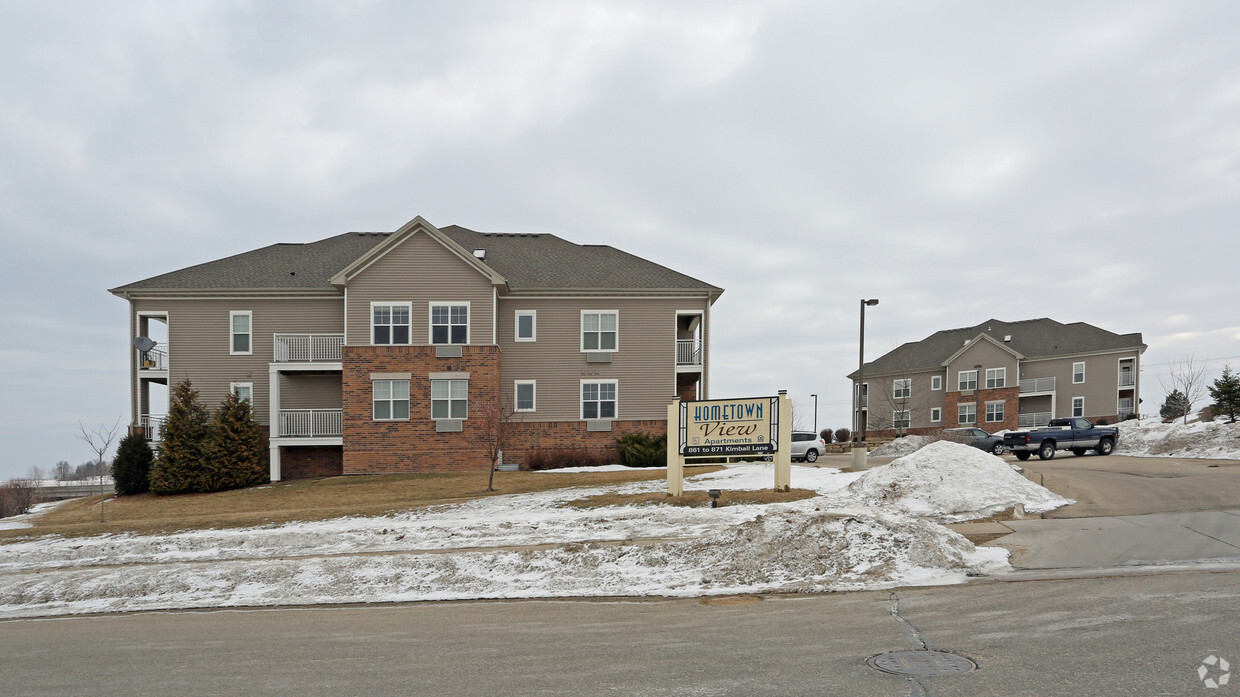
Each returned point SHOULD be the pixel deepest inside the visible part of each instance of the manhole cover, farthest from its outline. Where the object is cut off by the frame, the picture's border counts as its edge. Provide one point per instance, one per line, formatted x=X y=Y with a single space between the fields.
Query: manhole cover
x=922 y=663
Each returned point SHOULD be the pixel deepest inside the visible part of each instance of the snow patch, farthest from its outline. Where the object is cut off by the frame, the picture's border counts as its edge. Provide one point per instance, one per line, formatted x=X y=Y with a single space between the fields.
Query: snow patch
x=904 y=445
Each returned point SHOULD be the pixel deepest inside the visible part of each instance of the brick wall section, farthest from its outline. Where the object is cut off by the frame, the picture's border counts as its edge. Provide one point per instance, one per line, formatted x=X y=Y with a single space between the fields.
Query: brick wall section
x=311 y=461
x=383 y=447
x=522 y=437
x=1011 y=408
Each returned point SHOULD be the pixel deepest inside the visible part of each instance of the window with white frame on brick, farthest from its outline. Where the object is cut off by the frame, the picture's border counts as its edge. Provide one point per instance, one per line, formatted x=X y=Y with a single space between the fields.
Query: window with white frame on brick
x=449 y=323
x=967 y=413
x=598 y=399
x=599 y=330
x=996 y=377
x=389 y=323
x=901 y=419
x=994 y=412
x=449 y=399
x=391 y=400
x=967 y=380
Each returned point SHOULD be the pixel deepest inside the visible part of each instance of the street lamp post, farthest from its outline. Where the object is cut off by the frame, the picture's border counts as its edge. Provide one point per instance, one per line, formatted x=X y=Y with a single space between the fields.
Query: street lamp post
x=815 y=413
x=859 y=447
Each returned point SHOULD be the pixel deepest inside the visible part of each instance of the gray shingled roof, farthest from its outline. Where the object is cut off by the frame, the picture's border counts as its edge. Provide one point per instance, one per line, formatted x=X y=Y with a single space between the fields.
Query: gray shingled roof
x=527 y=261
x=1033 y=338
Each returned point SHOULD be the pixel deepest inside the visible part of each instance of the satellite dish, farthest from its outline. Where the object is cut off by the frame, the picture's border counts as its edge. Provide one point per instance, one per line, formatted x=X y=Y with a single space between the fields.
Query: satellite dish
x=144 y=343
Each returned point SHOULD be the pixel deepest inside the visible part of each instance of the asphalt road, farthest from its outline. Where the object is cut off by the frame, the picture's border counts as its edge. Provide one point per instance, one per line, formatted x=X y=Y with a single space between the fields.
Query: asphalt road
x=1130 y=635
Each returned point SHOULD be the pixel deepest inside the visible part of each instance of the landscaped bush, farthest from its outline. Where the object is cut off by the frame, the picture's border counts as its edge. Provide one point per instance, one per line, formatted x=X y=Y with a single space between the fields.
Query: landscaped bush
x=1102 y=422
x=639 y=449
x=16 y=497
x=131 y=469
x=559 y=458
x=842 y=435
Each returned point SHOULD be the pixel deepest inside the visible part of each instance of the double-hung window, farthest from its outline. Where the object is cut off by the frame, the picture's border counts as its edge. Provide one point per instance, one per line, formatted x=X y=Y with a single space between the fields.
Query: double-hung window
x=598 y=330
x=967 y=380
x=389 y=323
x=391 y=399
x=449 y=399
x=524 y=395
x=967 y=413
x=994 y=412
x=1078 y=406
x=936 y=415
x=1078 y=373
x=902 y=389
x=901 y=419
x=449 y=323
x=598 y=399
x=526 y=325
x=996 y=377
x=241 y=333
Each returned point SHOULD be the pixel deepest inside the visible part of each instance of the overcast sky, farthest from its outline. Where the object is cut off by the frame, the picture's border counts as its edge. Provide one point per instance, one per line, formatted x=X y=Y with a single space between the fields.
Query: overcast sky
x=957 y=160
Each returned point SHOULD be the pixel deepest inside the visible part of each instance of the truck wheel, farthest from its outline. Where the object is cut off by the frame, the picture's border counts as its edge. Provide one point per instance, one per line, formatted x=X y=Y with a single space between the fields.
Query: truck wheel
x=1046 y=451
x=1022 y=455
x=811 y=455
x=1105 y=446
x=1078 y=451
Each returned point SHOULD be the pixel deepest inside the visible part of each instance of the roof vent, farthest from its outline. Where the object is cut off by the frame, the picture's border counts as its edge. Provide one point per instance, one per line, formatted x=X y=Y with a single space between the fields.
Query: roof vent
x=480 y=253
x=1007 y=338
x=966 y=342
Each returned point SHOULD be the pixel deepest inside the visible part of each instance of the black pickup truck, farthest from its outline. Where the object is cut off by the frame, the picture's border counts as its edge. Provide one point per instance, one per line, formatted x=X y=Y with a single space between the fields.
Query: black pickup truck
x=1075 y=434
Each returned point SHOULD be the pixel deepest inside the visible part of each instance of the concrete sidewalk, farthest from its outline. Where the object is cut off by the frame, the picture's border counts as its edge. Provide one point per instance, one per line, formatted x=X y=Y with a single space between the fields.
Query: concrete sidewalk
x=1112 y=541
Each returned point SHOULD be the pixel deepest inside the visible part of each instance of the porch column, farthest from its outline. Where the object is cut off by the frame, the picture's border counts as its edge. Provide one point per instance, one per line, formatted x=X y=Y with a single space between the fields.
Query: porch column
x=273 y=413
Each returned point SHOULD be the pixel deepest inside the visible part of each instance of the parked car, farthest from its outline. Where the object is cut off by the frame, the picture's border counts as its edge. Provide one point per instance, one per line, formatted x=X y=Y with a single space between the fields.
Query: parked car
x=1075 y=434
x=977 y=438
x=807 y=446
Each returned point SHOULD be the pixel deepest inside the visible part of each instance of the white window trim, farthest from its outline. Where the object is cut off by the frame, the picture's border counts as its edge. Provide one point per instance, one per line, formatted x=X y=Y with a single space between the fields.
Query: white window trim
x=960 y=380
x=936 y=415
x=233 y=333
x=895 y=418
x=232 y=389
x=431 y=401
x=1000 y=378
x=515 y=388
x=516 y=325
x=581 y=402
x=1074 y=372
x=390 y=400
x=581 y=330
x=430 y=327
x=371 y=322
x=959 y=414
x=1081 y=400
x=936 y=383
x=1001 y=403
x=908 y=388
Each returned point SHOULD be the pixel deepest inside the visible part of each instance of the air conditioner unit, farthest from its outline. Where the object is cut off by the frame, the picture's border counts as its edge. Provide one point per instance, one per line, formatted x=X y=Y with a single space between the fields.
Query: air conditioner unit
x=966 y=393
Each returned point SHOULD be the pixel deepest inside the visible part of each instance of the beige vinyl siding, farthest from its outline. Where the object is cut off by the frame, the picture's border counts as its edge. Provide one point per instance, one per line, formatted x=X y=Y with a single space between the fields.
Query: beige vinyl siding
x=988 y=356
x=198 y=341
x=1100 y=388
x=644 y=364
x=420 y=271
x=318 y=391
x=882 y=403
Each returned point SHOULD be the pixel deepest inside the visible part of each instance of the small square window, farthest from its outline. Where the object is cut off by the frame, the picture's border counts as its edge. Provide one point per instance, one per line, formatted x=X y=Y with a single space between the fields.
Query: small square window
x=243 y=390
x=524 y=392
x=526 y=325
x=936 y=382
x=902 y=389
x=598 y=399
x=390 y=399
x=389 y=323
x=599 y=330
x=450 y=323
x=996 y=377
x=967 y=380
x=936 y=415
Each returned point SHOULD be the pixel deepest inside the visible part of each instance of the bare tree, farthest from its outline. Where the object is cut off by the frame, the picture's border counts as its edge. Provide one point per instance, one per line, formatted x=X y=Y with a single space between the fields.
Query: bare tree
x=16 y=497
x=494 y=414
x=100 y=441
x=897 y=394
x=63 y=471
x=1188 y=377
x=35 y=474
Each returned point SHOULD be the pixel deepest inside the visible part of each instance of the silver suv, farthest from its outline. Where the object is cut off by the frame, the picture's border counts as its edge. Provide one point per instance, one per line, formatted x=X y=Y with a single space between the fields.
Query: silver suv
x=807 y=446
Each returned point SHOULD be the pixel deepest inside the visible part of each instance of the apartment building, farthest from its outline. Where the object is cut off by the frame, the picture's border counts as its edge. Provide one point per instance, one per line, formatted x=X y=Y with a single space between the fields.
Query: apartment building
x=373 y=352
x=1000 y=375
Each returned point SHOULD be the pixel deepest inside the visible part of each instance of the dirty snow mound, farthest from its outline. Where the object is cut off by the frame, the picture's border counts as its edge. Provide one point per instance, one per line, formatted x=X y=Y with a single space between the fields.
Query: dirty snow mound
x=904 y=445
x=1202 y=439
x=952 y=482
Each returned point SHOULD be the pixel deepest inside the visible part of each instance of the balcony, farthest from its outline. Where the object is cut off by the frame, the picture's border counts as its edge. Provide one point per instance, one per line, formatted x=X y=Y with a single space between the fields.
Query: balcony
x=1127 y=380
x=311 y=423
x=151 y=426
x=688 y=353
x=156 y=359
x=1037 y=385
x=307 y=348
x=1034 y=420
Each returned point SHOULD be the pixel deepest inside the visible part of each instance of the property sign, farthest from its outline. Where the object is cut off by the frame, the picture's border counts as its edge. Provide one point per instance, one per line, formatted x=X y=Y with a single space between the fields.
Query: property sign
x=729 y=426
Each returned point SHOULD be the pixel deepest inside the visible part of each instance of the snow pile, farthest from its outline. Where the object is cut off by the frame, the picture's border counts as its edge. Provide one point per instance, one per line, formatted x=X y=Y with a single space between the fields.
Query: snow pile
x=951 y=482
x=1153 y=438
x=904 y=445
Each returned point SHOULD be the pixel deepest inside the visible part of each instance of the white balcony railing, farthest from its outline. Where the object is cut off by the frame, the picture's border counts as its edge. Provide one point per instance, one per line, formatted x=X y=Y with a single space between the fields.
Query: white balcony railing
x=1034 y=420
x=151 y=426
x=688 y=352
x=307 y=348
x=1127 y=380
x=311 y=423
x=155 y=359
x=1037 y=385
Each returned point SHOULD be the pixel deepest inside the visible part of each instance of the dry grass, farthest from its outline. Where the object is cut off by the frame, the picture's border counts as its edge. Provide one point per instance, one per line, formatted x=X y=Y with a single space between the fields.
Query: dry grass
x=301 y=500
x=693 y=498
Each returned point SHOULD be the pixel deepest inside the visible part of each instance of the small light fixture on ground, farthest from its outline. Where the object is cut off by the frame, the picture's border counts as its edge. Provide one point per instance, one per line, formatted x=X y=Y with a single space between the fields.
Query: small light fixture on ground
x=714 y=497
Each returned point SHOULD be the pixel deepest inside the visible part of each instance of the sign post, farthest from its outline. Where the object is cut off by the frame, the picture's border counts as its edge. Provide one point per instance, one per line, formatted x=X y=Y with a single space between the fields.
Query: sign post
x=675 y=460
x=730 y=428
